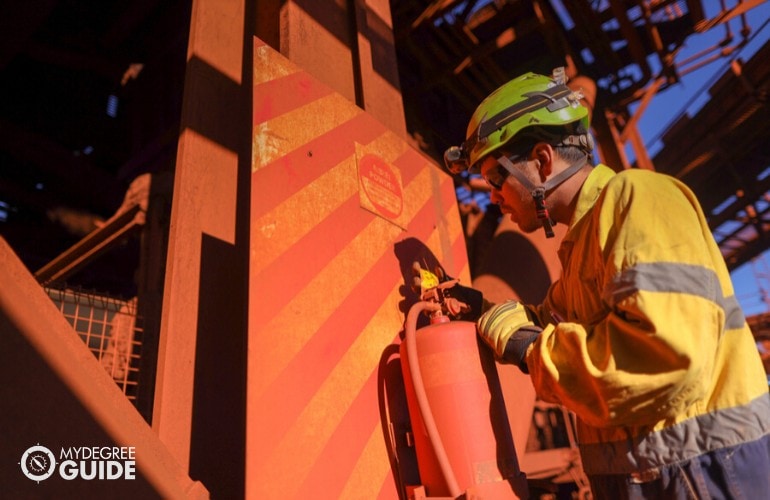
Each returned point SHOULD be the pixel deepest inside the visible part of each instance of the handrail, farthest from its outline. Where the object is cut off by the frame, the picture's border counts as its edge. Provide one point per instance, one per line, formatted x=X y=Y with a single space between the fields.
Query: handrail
x=96 y=242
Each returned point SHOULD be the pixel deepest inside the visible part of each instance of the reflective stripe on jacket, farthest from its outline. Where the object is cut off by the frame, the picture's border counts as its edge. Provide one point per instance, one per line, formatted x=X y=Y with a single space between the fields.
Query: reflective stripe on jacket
x=643 y=337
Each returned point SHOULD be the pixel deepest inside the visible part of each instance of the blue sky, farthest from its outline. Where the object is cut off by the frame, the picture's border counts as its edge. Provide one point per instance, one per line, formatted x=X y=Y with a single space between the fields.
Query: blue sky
x=688 y=96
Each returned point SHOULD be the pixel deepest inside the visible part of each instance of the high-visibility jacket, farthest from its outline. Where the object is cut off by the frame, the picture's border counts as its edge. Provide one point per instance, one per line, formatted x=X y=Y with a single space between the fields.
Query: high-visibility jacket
x=643 y=338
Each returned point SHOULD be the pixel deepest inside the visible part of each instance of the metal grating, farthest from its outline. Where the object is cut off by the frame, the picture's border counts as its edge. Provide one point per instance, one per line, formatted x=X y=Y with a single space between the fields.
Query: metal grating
x=110 y=329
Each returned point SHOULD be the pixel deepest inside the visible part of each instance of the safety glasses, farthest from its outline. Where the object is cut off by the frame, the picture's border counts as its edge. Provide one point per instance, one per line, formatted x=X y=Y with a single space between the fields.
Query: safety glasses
x=497 y=176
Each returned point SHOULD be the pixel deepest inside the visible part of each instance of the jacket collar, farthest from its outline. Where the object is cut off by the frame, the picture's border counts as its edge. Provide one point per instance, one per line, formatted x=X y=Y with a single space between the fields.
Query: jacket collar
x=592 y=187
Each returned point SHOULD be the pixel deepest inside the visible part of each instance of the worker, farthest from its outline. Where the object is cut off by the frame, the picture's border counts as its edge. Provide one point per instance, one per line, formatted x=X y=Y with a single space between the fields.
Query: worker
x=642 y=336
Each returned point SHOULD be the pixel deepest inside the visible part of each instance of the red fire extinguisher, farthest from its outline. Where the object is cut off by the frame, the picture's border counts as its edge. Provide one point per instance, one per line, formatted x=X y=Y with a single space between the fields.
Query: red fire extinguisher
x=461 y=433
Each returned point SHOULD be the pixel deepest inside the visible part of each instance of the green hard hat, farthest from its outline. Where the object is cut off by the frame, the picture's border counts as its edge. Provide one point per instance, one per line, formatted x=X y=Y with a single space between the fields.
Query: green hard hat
x=529 y=105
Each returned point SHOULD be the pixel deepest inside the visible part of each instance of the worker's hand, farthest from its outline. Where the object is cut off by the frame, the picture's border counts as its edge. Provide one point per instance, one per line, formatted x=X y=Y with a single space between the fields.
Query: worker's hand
x=507 y=329
x=456 y=300
x=469 y=297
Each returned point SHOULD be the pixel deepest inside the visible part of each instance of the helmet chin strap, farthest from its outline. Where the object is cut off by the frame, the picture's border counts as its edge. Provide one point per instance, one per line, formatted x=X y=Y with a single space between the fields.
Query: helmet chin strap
x=539 y=192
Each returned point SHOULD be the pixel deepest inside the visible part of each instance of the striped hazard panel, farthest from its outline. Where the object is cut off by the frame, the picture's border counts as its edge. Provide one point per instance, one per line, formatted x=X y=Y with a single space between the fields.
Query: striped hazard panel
x=340 y=208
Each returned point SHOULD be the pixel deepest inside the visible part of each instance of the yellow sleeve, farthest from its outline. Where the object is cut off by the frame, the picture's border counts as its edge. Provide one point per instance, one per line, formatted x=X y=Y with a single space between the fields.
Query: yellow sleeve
x=647 y=298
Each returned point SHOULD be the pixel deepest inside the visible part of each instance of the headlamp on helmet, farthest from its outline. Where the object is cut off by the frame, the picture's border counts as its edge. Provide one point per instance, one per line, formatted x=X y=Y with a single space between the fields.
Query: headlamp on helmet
x=455 y=159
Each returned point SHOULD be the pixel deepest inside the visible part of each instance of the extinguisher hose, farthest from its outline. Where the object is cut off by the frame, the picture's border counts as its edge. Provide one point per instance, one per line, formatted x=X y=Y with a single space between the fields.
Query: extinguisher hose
x=422 y=398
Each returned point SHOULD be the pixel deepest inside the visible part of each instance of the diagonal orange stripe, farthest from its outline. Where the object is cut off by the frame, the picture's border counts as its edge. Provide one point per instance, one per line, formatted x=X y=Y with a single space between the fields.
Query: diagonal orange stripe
x=328 y=441
x=275 y=97
x=294 y=170
x=308 y=256
x=372 y=473
x=387 y=492
x=294 y=129
x=333 y=465
x=320 y=292
x=328 y=344
x=276 y=230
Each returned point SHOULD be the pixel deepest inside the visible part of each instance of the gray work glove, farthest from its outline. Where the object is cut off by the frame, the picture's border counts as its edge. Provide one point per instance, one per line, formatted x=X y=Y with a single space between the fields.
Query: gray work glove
x=507 y=329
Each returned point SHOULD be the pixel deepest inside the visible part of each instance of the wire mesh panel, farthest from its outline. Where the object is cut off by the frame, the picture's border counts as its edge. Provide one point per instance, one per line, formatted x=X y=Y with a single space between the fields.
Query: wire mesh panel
x=110 y=329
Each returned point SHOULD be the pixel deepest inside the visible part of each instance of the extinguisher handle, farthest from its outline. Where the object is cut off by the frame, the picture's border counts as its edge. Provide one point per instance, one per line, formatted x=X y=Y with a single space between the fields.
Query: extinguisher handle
x=456 y=300
x=454 y=307
x=472 y=301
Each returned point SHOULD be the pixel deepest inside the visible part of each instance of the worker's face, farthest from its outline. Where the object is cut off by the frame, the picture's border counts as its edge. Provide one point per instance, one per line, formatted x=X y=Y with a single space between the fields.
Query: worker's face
x=507 y=192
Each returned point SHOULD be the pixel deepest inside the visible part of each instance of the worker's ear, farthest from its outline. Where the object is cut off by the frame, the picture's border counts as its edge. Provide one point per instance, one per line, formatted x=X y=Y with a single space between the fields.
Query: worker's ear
x=542 y=156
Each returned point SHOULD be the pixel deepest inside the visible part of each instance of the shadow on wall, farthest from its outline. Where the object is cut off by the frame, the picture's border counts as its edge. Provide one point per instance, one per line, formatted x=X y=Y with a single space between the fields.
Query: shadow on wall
x=513 y=268
x=408 y=252
x=394 y=413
